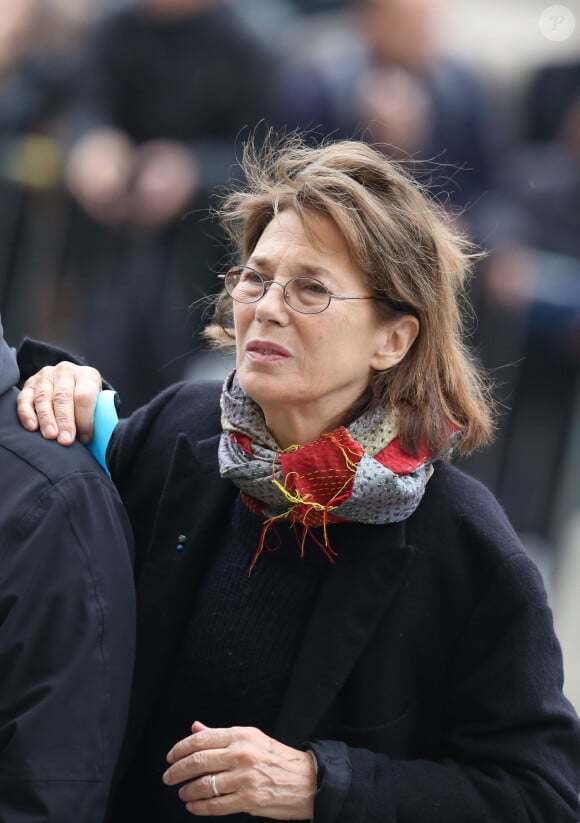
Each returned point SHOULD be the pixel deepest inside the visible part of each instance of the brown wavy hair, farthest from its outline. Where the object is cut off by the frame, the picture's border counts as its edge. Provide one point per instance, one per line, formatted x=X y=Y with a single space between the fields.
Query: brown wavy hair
x=409 y=252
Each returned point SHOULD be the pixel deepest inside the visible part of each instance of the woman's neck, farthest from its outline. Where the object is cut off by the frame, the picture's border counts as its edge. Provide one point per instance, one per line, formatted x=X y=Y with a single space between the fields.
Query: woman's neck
x=296 y=428
x=297 y=431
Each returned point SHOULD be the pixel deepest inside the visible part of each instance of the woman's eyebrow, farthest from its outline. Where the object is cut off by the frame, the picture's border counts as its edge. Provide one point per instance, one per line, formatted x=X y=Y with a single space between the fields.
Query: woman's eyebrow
x=308 y=269
x=257 y=261
x=315 y=271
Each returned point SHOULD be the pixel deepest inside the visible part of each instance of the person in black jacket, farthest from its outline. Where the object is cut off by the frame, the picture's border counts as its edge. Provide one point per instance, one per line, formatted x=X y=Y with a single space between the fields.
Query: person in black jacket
x=166 y=89
x=334 y=624
x=67 y=614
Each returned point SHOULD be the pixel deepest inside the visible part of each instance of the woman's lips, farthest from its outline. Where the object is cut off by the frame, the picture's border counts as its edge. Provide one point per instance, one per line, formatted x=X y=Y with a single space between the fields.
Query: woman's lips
x=264 y=350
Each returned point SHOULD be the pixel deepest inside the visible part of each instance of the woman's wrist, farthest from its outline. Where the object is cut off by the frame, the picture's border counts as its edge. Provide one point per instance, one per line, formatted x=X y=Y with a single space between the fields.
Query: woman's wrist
x=314 y=762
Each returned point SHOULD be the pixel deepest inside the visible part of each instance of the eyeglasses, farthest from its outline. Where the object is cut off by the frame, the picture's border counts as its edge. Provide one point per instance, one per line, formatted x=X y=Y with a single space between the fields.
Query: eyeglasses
x=305 y=295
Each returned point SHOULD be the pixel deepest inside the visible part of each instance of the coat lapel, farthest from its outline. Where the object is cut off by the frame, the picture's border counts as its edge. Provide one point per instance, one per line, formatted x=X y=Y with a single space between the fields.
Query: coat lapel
x=175 y=559
x=373 y=562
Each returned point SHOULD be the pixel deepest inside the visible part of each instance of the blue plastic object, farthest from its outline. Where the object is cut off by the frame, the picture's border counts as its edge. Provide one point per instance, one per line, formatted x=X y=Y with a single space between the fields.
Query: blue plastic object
x=106 y=418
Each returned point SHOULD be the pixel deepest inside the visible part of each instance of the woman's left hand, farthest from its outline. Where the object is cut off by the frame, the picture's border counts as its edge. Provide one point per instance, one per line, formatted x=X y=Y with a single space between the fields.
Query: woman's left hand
x=252 y=772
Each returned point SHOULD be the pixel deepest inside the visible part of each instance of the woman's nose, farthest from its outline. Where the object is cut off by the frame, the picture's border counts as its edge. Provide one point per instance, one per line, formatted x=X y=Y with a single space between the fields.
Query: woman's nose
x=272 y=306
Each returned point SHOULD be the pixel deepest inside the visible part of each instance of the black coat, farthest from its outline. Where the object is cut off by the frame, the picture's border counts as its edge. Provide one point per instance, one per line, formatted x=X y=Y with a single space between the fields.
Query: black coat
x=67 y=624
x=429 y=680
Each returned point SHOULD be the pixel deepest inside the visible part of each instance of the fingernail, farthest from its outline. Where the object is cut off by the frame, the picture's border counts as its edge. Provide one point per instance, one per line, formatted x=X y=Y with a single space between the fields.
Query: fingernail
x=50 y=431
x=65 y=438
x=165 y=777
x=30 y=424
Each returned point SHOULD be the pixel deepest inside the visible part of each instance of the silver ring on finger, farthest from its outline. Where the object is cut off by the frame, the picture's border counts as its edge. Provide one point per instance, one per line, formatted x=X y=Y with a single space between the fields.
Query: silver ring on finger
x=213 y=784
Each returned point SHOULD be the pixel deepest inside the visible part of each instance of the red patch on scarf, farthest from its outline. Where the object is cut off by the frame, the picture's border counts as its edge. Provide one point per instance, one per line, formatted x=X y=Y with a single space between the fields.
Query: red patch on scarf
x=243 y=441
x=394 y=457
x=323 y=471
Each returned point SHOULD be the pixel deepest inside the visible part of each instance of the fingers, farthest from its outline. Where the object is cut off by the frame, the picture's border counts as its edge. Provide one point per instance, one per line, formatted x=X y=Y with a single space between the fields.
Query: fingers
x=196 y=765
x=197 y=759
x=202 y=788
x=36 y=406
x=25 y=405
x=60 y=400
x=201 y=739
x=87 y=387
x=199 y=797
x=199 y=754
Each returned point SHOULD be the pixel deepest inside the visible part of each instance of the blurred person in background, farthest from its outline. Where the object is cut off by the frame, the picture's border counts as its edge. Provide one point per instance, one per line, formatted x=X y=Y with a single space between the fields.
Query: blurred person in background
x=67 y=624
x=553 y=90
x=418 y=101
x=529 y=334
x=167 y=88
x=388 y=81
x=41 y=44
x=530 y=311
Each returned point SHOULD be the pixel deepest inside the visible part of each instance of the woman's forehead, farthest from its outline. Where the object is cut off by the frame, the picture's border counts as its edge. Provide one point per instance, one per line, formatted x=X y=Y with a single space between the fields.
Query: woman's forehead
x=313 y=247
x=307 y=232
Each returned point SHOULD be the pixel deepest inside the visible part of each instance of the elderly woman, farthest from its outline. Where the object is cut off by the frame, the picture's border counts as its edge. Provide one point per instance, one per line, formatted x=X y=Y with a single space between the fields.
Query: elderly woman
x=334 y=624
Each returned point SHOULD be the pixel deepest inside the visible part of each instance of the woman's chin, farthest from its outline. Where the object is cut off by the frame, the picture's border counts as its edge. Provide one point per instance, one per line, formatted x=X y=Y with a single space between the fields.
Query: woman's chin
x=265 y=386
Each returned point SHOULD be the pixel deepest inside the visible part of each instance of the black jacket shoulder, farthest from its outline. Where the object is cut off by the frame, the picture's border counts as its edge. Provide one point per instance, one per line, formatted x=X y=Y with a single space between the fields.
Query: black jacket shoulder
x=36 y=455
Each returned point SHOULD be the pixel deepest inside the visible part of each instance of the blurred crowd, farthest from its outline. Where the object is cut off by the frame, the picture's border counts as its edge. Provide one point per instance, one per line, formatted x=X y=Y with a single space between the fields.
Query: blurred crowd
x=121 y=119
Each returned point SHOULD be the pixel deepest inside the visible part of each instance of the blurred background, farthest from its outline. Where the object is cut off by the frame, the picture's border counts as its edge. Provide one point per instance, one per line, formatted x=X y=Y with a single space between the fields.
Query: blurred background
x=119 y=119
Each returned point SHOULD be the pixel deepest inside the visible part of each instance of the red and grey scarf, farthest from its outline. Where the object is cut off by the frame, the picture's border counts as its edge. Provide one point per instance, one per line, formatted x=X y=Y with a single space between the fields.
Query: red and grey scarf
x=357 y=473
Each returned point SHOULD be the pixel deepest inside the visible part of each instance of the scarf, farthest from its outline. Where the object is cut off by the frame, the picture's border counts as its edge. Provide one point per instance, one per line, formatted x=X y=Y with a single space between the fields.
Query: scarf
x=357 y=473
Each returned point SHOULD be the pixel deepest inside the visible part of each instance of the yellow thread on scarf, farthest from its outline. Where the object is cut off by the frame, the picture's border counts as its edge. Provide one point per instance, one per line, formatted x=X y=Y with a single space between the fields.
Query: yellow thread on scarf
x=308 y=505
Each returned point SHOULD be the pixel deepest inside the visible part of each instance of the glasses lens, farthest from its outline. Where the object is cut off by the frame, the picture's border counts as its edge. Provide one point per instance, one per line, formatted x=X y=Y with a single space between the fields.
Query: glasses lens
x=307 y=295
x=244 y=285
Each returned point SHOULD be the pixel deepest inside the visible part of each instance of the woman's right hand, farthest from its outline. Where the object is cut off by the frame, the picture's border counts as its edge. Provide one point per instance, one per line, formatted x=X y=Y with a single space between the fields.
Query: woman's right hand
x=60 y=401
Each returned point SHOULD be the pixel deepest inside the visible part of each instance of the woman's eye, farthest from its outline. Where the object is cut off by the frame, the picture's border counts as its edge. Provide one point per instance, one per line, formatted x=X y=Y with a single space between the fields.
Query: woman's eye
x=250 y=277
x=314 y=287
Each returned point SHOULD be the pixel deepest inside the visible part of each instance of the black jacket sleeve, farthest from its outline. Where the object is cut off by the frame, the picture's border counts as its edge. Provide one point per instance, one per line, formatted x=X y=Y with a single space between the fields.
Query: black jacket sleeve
x=510 y=742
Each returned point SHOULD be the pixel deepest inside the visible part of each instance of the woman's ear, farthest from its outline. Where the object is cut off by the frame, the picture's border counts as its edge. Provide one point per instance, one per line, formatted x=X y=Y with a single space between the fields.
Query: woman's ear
x=398 y=337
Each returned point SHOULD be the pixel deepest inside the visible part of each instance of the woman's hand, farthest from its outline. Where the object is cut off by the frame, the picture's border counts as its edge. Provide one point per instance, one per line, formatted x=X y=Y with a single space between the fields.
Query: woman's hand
x=60 y=400
x=252 y=773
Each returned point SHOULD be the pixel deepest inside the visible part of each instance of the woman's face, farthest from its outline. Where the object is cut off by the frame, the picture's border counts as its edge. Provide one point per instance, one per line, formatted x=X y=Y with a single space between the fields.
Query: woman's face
x=306 y=371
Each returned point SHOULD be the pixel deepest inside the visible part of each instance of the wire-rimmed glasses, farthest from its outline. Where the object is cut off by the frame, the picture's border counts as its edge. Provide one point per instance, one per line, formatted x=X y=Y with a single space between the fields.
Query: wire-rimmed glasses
x=303 y=294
